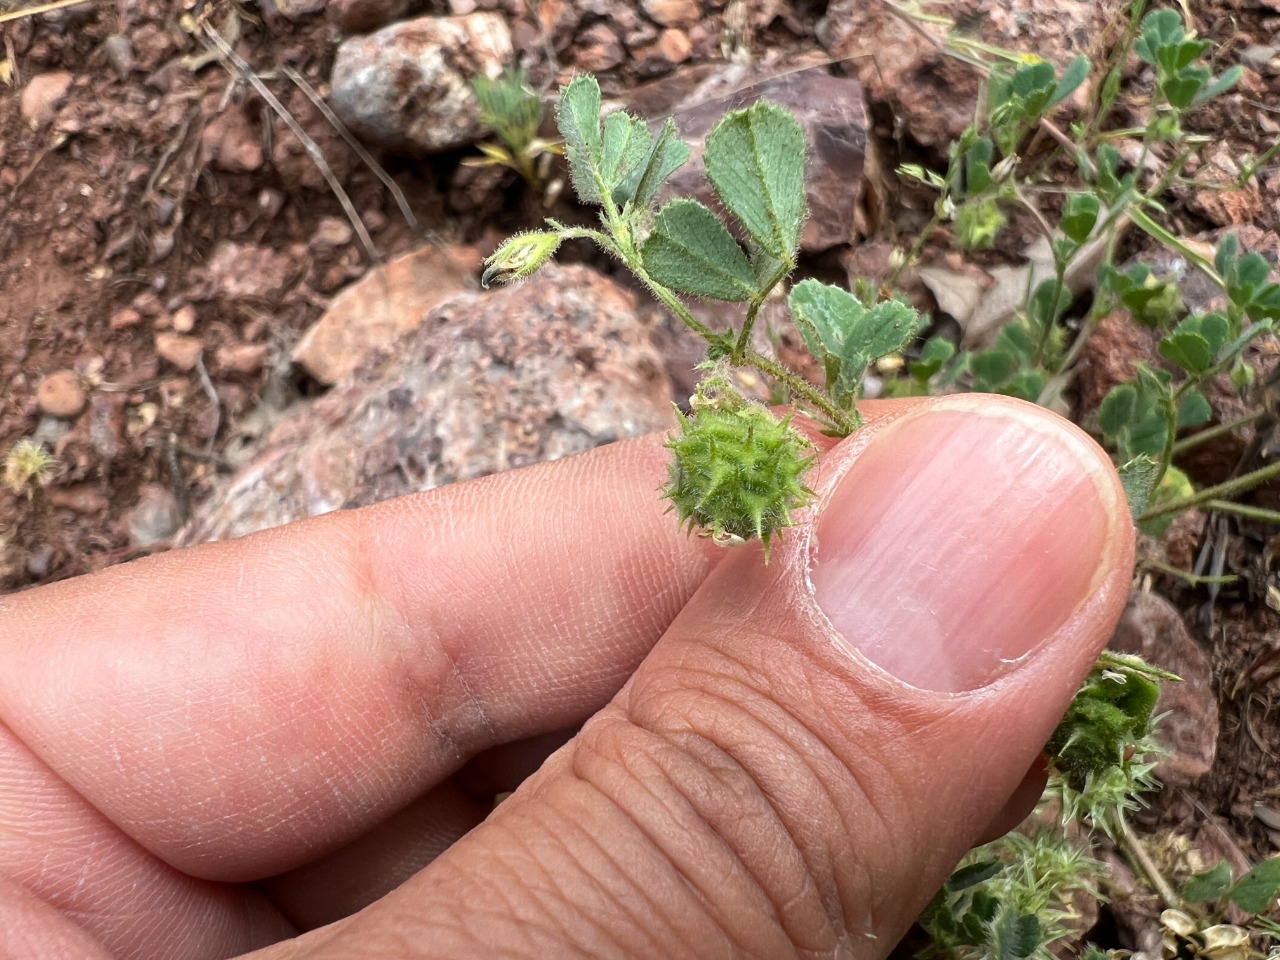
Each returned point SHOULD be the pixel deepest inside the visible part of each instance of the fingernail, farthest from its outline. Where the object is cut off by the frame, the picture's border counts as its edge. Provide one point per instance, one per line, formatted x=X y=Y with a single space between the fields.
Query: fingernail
x=962 y=538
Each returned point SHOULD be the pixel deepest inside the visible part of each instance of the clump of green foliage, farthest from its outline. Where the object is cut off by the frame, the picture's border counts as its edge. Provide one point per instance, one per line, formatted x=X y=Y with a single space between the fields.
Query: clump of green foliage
x=513 y=110
x=996 y=167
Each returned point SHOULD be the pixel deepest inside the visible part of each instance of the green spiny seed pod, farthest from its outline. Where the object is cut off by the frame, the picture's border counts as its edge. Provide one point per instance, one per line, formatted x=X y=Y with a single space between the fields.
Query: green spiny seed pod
x=737 y=470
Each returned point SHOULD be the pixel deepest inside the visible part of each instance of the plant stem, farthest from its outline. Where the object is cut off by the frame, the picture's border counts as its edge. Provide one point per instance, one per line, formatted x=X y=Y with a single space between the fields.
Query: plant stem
x=671 y=301
x=1163 y=236
x=1216 y=492
x=753 y=308
x=1244 y=510
x=1187 y=576
x=841 y=420
x=1132 y=845
x=1204 y=436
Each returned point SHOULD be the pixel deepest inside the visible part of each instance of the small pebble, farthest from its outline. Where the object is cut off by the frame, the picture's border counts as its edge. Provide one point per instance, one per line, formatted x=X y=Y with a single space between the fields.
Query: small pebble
x=41 y=96
x=181 y=351
x=154 y=517
x=119 y=50
x=245 y=358
x=1256 y=56
x=331 y=234
x=61 y=394
x=184 y=319
x=40 y=562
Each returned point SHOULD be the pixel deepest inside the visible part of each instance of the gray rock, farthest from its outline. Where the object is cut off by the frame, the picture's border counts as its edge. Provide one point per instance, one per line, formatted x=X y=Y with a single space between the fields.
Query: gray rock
x=407 y=87
x=488 y=382
x=119 y=50
x=1257 y=56
x=154 y=518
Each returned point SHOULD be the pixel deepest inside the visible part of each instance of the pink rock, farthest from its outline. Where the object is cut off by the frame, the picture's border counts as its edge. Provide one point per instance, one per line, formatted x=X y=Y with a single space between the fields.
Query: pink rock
x=1153 y=628
x=181 y=351
x=487 y=382
x=61 y=394
x=243 y=358
x=231 y=142
x=41 y=96
x=673 y=13
x=381 y=306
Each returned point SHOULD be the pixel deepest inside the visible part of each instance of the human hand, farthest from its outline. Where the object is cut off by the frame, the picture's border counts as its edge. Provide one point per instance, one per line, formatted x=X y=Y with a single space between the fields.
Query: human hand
x=209 y=751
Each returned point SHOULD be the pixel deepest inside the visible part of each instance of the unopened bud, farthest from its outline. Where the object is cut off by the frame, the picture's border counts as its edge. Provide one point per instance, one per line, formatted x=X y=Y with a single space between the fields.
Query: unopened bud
x=520 y=257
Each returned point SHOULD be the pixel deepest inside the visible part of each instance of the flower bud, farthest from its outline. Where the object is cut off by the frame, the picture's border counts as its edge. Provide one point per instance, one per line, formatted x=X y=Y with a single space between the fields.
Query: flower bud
x=520 y=257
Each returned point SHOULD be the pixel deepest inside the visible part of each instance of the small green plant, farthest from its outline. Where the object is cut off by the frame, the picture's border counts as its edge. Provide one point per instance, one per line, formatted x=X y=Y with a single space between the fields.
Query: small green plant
x=738 y=470
x=997 y=167
x=28 y=466
x=1018 y=896
x=514 y=112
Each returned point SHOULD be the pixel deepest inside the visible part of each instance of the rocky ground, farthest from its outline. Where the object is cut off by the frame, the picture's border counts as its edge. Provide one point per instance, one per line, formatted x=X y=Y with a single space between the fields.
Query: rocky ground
x=239 y=256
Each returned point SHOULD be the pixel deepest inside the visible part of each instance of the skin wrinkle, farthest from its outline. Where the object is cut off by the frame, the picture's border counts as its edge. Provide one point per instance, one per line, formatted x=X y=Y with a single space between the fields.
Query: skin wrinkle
x=552 y=894
x=689 y=815
x=623 y=899
x=99 y=852
x=807 y=889
x=727 y=710
x=490 y=907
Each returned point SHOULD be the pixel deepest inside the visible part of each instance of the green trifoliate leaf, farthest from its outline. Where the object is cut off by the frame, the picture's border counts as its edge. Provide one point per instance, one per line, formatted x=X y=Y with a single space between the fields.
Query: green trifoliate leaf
x=1210 y=886
x=1188 y=350
x=977 y=166
x=578 y=117
x=755 y=161
x=1220 y=85
x=936 y=351
x=1138 y=477
x=520 y=257
x=1076 y=73
x=690 y=251
x=666 y=155
x=844 y=334
x=1257 y=889
x=1193 y=410
x=1181 y=90
x=1195 y=342
x=1117 y=409
x=626 y=145
x=1079 y=214
x=1160 y=28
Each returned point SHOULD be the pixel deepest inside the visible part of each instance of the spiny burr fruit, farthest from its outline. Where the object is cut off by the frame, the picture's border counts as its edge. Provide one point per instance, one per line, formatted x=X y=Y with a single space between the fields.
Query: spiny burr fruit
x=737 y=471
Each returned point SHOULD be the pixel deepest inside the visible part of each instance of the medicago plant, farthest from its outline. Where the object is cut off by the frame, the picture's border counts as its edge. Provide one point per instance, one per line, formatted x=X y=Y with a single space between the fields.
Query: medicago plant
x=737 y=470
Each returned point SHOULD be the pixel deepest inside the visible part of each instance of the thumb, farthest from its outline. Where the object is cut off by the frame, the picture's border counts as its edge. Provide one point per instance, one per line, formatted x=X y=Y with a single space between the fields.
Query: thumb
x=806 y=753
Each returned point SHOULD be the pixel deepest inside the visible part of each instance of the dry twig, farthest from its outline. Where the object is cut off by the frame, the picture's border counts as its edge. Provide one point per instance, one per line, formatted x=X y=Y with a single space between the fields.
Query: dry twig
x=230 y=59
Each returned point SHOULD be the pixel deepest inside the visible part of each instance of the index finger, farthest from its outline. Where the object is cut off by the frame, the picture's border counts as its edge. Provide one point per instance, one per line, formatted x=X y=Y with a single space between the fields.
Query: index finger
x=240 y=708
